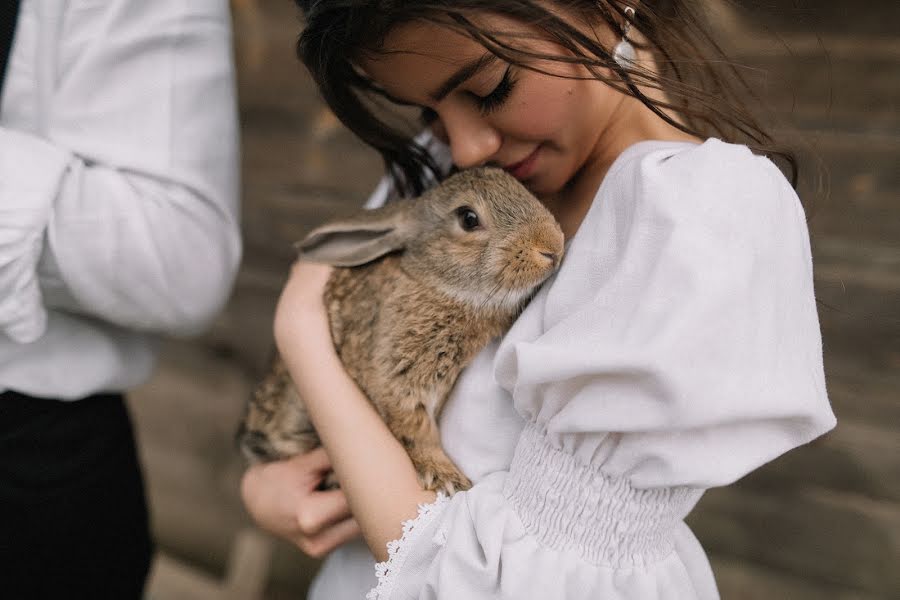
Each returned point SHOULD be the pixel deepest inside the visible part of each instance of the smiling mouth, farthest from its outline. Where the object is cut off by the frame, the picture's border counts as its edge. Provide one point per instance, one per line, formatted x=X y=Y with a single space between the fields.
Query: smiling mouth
x=525 y=167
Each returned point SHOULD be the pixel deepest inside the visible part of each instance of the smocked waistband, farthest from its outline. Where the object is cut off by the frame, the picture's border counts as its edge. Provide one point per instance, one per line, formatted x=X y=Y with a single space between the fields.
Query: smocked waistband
x=571 y=506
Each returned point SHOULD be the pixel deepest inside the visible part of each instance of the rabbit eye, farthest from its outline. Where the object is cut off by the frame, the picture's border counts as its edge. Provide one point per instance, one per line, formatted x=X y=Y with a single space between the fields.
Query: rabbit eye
x=468 y=218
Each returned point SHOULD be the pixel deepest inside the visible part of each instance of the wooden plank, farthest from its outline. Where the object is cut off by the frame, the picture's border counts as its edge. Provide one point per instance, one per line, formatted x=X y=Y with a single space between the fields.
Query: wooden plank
x=873 y=18
x=838 y=46
x=814 y=80
x=284 y=214
x=243 y=330
x=862 y=392
x=248 y=566
x=245 y=579
x=854 y=457
x=833 y=538
x=171 y=579
x=194 y=516
x=743 y=580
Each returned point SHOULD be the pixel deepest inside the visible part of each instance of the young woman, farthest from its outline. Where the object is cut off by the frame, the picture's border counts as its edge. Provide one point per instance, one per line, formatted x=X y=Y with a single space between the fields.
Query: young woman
x=676 y=349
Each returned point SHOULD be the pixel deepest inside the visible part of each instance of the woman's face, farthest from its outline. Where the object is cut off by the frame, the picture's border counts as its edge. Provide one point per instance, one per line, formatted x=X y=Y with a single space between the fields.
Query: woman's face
x=543 y=129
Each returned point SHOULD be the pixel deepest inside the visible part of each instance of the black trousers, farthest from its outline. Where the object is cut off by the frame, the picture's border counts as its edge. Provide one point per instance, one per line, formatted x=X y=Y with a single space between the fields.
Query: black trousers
x=73 y=517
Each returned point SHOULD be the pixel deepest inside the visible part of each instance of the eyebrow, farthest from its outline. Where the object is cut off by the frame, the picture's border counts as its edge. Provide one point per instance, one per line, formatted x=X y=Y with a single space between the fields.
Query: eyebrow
x=467 y=71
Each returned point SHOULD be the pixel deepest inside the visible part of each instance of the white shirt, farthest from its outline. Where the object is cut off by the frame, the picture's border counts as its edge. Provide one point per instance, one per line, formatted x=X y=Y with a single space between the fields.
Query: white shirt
x=676 y=349
x=118 y=188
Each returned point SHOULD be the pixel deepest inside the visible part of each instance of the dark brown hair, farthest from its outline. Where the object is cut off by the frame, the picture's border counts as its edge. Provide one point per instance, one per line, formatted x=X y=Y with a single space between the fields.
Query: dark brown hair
x=704 y=89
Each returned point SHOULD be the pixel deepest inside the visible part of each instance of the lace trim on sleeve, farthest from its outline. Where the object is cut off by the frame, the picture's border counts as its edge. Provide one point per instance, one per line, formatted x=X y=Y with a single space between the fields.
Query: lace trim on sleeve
x=398 y=549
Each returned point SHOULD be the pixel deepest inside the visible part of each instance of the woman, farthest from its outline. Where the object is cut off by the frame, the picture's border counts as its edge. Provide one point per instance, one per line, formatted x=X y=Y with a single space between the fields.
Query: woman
x=676 y=349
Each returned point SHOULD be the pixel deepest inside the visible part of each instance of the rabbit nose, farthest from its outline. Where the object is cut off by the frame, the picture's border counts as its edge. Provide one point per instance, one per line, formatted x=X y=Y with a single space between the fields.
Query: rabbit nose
x=553 y=257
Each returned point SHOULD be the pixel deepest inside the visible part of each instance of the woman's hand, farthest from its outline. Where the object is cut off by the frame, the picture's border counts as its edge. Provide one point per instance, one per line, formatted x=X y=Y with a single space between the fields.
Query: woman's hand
x=282 y=498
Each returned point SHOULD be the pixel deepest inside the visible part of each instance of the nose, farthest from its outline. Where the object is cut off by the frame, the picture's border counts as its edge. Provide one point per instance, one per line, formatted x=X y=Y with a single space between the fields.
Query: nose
x=473 y=140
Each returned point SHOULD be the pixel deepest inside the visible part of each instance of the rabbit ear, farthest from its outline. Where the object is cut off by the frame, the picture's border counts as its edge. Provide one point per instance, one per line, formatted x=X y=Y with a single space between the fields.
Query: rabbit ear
x=356 y=240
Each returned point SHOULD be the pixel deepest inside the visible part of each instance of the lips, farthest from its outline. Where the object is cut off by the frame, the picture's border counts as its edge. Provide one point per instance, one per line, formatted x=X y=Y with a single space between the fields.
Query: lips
x=525 y=167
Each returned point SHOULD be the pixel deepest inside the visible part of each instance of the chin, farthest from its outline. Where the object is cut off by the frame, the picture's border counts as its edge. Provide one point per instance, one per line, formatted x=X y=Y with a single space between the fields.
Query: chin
x=544 y=186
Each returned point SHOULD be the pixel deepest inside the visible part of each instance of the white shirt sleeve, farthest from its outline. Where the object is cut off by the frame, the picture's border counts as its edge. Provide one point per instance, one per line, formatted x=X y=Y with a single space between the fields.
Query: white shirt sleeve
x=123 y=204
x=386 y=191
x=677 y=349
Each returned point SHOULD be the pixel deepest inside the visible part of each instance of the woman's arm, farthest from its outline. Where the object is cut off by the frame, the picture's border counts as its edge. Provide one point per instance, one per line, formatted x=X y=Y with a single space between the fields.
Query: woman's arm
x=374 y=470
x=309 y=518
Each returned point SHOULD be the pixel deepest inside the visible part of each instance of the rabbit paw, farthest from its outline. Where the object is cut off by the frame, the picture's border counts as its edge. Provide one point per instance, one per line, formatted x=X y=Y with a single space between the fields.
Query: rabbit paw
x=443 y=477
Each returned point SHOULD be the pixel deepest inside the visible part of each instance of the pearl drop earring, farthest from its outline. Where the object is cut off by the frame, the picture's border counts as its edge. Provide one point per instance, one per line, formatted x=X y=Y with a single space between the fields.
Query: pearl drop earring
x=624 y=52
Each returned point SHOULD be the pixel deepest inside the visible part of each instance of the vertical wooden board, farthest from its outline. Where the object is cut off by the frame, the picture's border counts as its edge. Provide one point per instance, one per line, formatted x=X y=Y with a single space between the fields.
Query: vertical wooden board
x=744 y=580
x=854 y=457
x=834 y=538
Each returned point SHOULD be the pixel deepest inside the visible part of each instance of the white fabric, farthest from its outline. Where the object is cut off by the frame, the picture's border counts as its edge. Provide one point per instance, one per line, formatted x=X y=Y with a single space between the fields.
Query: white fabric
x=385 y=191
x=118 y=188
x=677 y=349
x=479 y=430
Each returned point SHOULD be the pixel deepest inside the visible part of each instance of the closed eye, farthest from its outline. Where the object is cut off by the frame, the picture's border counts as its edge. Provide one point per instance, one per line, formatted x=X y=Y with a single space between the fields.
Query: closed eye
x=499 y=95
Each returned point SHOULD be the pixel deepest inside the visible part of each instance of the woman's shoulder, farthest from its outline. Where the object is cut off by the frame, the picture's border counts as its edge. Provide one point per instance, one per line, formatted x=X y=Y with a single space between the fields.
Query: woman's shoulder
x=701 y=209
x=713 y=165
x=715 y=187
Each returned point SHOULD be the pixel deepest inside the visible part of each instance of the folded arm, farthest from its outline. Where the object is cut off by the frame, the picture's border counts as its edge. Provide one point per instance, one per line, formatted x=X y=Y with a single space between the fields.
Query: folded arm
x=121 y=201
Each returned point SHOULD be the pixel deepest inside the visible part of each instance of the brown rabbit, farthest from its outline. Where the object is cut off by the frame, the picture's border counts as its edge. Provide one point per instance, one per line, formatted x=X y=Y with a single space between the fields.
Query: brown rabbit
x=426 y=284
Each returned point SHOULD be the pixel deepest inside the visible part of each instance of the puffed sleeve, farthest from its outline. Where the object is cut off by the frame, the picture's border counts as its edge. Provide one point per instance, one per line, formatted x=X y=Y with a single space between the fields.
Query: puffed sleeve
x=677 y=349
x=685 y=321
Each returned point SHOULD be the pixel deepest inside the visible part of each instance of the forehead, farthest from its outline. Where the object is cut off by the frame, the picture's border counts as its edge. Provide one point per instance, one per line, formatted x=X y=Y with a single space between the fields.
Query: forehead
x=417 y=57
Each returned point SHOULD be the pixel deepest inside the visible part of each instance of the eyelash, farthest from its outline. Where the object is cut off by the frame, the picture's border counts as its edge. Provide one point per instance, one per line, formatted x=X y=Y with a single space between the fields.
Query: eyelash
x=486 y=104
x=498 y=96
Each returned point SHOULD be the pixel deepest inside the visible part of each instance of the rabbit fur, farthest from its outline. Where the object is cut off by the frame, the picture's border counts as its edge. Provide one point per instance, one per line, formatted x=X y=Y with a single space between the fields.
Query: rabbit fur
x=415 y=298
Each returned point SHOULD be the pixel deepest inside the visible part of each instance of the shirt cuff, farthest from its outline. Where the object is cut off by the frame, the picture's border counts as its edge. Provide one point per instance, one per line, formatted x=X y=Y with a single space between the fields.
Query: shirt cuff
x=30 y=173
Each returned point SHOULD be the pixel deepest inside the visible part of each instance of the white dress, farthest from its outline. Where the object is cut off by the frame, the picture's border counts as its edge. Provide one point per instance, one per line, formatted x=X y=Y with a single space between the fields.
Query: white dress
x=676 y=349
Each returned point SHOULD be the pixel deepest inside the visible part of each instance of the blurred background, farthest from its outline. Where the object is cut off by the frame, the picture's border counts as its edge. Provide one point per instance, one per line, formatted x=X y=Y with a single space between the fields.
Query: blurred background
x=821 y=522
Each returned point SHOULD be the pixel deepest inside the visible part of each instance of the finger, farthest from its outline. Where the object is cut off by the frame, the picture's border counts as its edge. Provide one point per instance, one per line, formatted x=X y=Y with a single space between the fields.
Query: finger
x=269 y=501
x=321 y=510
x=328 y=539
x=315 y=460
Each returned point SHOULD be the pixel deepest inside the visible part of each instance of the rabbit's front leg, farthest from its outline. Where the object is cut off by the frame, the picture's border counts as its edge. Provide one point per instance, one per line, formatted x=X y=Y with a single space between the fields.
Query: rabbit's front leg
x=417 y=431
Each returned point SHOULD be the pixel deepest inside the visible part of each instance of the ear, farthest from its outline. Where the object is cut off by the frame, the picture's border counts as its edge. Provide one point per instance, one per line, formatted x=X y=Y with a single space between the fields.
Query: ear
x=357 y=240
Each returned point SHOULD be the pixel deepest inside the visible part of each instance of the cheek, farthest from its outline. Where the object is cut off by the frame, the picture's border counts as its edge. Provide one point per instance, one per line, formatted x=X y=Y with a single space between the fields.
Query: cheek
x=553 y=109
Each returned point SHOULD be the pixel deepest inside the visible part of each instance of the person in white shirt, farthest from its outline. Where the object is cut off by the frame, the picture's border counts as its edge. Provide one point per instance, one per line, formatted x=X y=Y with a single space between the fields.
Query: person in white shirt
x=676 y=349
x=119 y=222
